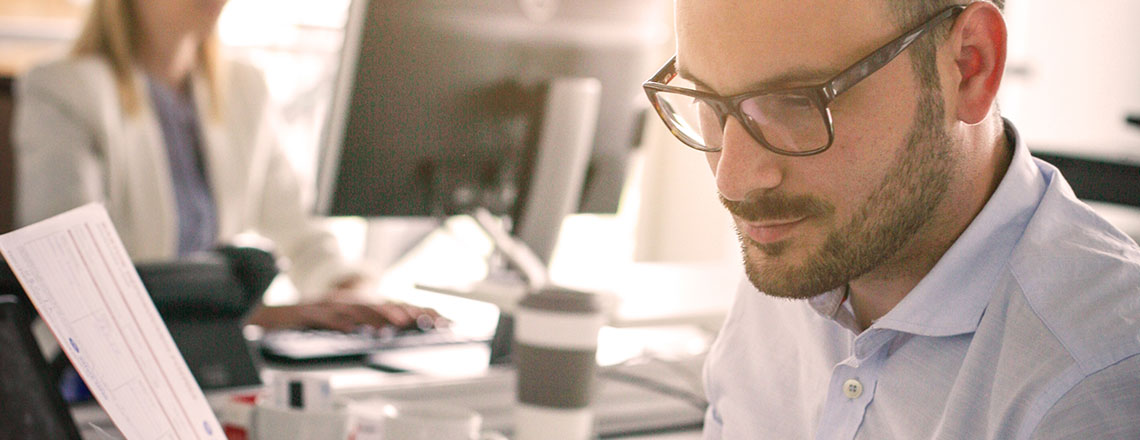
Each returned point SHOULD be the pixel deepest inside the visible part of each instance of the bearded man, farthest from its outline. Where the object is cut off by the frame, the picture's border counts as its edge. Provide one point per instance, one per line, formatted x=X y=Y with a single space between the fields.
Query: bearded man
x=914 y=272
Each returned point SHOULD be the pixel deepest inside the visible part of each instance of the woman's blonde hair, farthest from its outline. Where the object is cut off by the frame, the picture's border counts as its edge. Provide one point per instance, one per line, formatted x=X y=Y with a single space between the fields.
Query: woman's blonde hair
x=112 y=31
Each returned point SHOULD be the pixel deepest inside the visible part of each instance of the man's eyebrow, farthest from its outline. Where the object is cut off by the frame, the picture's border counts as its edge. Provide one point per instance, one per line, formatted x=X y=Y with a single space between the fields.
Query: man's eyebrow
x=796 y=77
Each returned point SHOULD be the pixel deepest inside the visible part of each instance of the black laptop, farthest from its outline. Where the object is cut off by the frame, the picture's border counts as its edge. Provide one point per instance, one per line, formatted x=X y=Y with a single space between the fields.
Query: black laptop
x=203 y=301
x=31 y=408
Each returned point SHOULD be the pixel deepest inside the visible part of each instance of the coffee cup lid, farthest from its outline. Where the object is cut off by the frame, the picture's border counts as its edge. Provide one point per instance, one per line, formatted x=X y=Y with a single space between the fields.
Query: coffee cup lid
x=561 y=299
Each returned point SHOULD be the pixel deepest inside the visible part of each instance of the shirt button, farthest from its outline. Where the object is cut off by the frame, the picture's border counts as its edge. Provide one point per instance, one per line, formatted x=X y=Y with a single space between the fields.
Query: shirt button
x=852 y=389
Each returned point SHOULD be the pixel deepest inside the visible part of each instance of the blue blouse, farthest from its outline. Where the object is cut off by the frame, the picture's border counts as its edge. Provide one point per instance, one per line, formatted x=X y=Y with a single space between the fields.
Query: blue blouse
x=197 y=213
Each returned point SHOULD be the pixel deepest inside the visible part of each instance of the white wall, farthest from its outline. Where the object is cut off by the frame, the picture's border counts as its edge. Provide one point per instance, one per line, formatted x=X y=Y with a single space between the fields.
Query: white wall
x=679 y=218
x=1073 y=73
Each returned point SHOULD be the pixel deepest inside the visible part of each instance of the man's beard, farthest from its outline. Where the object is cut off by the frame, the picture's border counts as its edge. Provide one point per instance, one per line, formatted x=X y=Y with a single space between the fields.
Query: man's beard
x=892 y=215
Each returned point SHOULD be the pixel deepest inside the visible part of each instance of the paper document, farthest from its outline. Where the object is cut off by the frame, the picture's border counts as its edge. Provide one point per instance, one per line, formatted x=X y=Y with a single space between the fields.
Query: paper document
x=78 y=275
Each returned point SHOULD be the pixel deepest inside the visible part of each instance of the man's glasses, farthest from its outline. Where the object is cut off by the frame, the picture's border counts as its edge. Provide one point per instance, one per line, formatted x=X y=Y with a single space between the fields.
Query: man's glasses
x=793 y=122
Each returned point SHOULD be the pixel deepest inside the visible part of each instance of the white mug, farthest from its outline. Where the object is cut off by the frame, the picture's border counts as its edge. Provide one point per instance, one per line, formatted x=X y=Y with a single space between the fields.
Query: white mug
x=271 y=422
x=387 y=420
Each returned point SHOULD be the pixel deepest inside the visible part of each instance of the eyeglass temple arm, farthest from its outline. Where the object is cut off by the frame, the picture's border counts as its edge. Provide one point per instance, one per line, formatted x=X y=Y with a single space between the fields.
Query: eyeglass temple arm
x=666 y=72
x=879 y=58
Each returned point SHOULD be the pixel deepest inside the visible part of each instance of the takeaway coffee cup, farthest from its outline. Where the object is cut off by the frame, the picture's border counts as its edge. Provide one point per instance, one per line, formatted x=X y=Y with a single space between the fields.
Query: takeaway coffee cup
x=556 y=341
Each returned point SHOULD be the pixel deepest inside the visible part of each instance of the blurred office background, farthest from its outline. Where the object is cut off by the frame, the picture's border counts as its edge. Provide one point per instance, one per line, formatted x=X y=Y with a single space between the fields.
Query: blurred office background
x=1073 y=76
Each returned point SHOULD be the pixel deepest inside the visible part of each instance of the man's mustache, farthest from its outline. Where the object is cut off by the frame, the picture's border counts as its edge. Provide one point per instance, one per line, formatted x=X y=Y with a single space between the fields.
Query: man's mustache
x=776 y=207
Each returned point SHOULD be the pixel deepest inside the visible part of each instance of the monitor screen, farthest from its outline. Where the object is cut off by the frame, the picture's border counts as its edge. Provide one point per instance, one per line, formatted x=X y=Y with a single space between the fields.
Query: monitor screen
x=439 y=103
x=30 y=406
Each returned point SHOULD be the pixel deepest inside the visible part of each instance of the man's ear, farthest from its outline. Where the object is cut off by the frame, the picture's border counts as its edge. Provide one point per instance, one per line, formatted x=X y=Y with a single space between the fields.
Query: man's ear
x=977 y=47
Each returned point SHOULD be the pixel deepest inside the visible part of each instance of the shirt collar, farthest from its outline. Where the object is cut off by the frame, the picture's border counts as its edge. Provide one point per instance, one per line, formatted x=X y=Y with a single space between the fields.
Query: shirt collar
x=951 y=298
x=170 y=102
x=834 y=306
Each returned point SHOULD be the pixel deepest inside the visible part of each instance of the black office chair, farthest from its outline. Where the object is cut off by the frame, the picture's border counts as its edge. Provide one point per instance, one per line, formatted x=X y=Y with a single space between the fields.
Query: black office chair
x=204 y=302
x=1099 y=180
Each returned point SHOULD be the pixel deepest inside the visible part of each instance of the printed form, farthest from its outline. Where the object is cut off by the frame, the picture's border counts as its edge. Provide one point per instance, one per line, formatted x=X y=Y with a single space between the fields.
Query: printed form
x=77 y=273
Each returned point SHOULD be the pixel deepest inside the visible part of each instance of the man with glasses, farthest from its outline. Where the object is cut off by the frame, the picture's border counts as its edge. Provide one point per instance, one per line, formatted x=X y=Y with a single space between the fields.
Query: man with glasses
x=914 y=273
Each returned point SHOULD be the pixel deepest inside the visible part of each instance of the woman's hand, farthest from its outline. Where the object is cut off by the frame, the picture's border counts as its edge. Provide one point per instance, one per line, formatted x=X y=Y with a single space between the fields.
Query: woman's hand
x=346 y=316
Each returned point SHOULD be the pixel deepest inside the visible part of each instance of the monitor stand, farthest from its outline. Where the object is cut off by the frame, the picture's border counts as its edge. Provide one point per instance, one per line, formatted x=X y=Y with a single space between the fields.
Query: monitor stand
x=513 y=268
x=569 y=119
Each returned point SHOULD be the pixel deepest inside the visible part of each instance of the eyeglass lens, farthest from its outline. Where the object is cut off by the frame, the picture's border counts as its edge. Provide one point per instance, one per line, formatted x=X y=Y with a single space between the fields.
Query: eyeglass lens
x=786 y=121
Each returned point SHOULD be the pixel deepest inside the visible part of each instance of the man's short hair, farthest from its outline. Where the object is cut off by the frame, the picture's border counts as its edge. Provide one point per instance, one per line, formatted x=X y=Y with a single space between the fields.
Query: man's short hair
x=910 y=13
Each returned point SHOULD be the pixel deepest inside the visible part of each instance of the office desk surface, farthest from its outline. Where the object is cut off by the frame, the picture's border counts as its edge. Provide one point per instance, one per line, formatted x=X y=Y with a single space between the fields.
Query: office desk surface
x=694 y=435
x=630 y=412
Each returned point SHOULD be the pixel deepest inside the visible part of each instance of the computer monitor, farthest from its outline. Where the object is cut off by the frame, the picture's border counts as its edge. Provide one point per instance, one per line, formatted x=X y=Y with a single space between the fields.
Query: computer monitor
x=442 y=106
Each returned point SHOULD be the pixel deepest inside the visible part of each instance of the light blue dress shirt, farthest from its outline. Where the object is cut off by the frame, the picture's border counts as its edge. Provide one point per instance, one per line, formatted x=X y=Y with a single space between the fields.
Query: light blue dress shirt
x=1027 y=328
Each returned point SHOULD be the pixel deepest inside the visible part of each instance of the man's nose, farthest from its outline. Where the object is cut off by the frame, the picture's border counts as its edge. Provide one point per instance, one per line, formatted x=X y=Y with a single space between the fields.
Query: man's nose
x=743 y=166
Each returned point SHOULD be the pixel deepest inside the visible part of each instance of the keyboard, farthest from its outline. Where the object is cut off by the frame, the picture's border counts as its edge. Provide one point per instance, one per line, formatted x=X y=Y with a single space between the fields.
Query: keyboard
x=644 y=398
x=327 y=345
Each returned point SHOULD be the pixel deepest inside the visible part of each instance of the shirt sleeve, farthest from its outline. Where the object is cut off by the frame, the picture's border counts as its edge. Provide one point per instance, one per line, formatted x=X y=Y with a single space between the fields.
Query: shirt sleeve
x=1106 y=404
x=316 y=261
x=58 y=166
x=284 y=215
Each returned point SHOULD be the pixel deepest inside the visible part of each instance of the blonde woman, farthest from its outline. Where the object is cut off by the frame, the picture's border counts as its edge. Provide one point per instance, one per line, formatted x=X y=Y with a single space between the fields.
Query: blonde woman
x=145 y=117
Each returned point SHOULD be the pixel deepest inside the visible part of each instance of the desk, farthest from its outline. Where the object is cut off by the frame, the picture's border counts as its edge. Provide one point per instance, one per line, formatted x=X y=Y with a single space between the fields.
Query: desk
x=492 y=395
x=694 y=435
x=361 y=383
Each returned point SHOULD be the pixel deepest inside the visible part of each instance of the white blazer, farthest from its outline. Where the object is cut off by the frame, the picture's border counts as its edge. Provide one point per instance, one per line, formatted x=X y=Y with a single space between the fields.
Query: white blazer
x=74 y=144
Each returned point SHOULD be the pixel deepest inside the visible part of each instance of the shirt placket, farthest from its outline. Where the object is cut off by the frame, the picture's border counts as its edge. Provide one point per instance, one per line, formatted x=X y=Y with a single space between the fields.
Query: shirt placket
x=852 y=387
